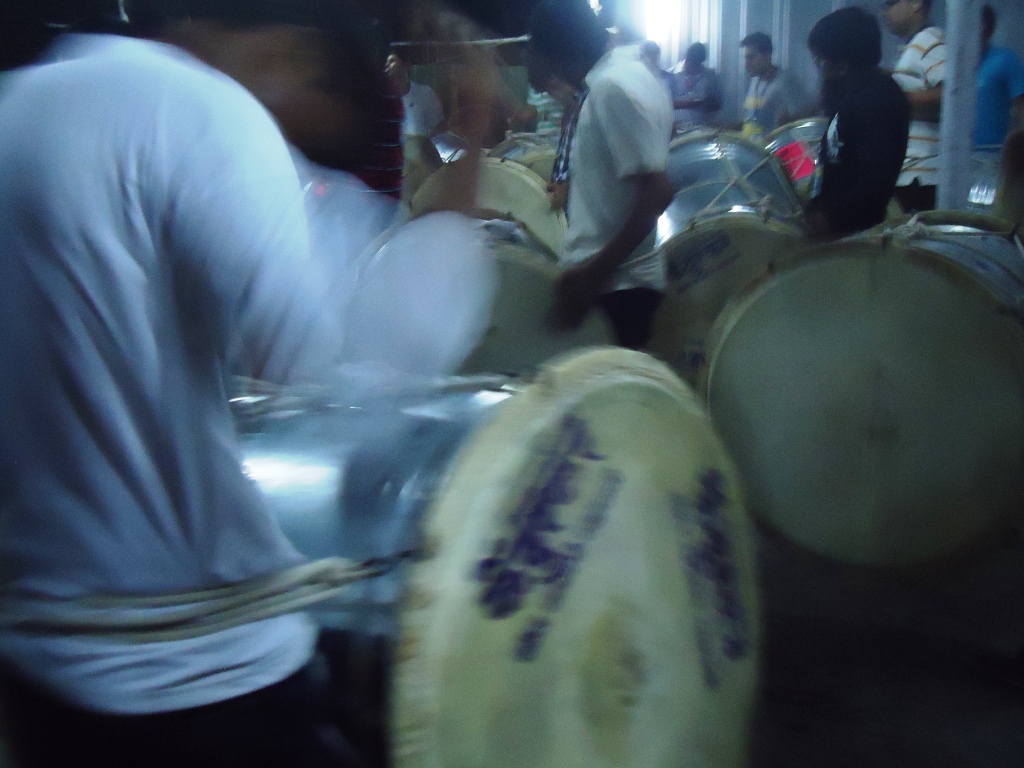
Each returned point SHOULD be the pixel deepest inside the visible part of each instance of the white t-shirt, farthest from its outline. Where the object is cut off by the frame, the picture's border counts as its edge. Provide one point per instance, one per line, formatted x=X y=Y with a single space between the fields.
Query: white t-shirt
x=624 y=130
x=153 y=234
x=422 y=110
x=922 y=65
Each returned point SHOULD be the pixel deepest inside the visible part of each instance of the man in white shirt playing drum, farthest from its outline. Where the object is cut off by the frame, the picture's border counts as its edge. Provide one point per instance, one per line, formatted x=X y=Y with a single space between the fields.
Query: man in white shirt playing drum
x=920 y=72
x=154 y=240
x=618 y=187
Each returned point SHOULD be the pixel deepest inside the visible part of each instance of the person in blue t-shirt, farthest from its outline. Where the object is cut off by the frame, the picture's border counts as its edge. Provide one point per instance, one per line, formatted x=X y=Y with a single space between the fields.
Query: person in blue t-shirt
x=1000 y=102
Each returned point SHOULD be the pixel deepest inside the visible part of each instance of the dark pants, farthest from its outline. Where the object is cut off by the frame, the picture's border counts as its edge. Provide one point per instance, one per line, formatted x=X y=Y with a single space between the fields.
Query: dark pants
x=631 y=313
x=324 y=716
x=916 y=197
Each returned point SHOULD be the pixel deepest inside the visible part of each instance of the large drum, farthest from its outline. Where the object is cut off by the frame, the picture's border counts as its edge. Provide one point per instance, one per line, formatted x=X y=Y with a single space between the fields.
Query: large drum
x=506 y=190
x=450 y=146
x=519 y=336
x=714 y=172
x=796 y=146
x=583 y=588
x=534 y=151
x=872 y=394
x=708 y=263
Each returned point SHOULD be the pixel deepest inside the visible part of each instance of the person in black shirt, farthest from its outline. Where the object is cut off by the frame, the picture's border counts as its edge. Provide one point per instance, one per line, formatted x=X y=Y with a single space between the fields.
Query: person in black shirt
x=863 y=149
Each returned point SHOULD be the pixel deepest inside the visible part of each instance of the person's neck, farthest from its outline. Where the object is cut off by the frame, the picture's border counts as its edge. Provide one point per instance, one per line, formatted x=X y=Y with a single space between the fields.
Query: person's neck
x=770 y=73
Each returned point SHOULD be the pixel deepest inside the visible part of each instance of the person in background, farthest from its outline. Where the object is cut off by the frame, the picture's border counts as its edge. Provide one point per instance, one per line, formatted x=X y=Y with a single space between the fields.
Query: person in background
x=650 y=52
x=164 y=246
x=920 y=72
x=618 y=187
x=863 y=149
x=423 y=113
x=775 y=96
x=1000 y=97
x=696 y=91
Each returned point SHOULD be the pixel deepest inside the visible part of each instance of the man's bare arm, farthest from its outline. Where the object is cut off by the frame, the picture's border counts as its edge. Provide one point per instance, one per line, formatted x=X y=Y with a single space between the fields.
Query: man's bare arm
x=926 y=105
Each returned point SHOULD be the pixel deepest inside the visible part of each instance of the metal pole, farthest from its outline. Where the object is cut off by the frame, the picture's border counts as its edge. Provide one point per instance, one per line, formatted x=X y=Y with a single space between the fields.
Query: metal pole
x=963 y=49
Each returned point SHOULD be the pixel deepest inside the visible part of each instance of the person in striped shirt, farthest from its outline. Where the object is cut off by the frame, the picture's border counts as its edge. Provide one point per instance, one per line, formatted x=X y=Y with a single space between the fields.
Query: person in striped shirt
x=920 y=72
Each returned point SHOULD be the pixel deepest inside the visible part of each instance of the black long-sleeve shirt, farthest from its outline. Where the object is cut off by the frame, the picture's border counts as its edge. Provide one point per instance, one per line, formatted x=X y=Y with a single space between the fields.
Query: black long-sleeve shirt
x=862 y=153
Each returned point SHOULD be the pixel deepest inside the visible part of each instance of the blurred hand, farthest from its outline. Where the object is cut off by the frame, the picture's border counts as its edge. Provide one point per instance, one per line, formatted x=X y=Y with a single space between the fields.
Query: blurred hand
x=558 y=194
x=576 y=292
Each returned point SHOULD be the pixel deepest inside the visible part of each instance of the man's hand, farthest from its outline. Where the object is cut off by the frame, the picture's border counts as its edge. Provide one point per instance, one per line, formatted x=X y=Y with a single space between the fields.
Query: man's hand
x=576 y=292
x=558 y=194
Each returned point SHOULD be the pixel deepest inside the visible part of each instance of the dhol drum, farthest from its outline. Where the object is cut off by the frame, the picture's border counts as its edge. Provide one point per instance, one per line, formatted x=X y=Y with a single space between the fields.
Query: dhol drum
x=520 y=337
x=583 y=592
x=421 y=160
x=531 y=150
x=707 y=264
x=506 y=190
x=796 y=146
x=450 y=146
x=872 y=394
x=713 y=172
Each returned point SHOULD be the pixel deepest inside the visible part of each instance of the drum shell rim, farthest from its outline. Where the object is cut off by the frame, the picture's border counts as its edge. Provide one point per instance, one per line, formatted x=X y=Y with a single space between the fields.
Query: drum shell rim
x=970 y=550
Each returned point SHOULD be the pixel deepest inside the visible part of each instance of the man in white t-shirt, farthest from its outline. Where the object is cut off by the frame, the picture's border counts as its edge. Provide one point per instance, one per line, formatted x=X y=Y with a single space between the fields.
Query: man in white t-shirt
x=920 y=72
x=423 y=113
x=154 y=240
x=618 y=187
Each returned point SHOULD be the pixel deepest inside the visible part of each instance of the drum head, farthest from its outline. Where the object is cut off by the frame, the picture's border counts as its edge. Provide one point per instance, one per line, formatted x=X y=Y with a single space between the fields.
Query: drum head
x=519 y=337
x=587 y=598
x=506 y=190
x=421 y=304
x=703 y=157
x=873 y=399
x=708 y=264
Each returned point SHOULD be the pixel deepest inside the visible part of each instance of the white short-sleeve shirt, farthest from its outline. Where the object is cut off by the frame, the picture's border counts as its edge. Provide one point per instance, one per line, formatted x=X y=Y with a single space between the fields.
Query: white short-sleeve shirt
x=153 y=238
x=423 y=111
x=624 y=130
x=922 y=65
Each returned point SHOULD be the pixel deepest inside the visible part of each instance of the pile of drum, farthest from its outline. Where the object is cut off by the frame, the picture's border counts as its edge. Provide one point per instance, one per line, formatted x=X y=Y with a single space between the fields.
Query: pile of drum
x=570 y=569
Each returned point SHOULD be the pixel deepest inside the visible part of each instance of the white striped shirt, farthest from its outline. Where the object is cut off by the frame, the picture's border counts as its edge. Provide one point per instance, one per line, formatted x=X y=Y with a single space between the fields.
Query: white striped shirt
x=922 y=65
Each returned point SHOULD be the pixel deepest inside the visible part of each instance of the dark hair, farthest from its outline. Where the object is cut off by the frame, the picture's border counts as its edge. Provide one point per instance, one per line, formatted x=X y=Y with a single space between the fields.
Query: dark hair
x=150 y=16
x=988 y=19
x=849 y=35
x=567 y=33
x=699 y=53
x=759 y=41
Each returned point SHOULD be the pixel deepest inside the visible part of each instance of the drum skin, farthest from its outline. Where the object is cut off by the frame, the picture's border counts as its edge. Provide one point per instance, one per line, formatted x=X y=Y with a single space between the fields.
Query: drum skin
x=506 y=190
x=587 y=594
x=520 y=337
x=872 y=396
x=707 y=264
